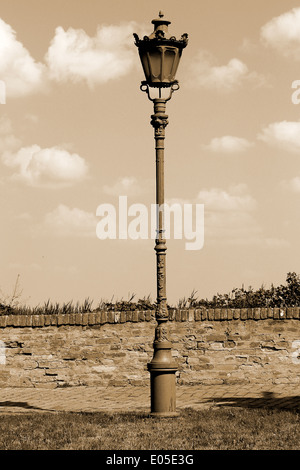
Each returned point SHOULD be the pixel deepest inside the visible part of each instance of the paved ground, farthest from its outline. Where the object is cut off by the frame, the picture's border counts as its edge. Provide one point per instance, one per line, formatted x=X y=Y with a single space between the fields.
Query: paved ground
x=14 y=400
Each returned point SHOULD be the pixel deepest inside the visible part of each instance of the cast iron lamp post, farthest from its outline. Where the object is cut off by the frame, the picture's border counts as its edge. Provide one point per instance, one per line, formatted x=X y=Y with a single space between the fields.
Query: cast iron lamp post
x=160 y=54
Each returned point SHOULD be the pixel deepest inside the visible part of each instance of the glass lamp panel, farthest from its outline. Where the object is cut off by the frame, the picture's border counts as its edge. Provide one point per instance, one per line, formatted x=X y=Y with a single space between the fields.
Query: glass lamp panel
x=145 y=63
x=169 y=66
x=155 y=58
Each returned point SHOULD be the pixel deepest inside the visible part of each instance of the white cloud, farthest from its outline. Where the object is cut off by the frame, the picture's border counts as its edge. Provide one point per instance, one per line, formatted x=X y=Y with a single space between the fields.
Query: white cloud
x=284 y=134
x=228 y=144
x=65 y=222
x=67 y=270
x=40 y=167
x=224 y=78
x=127 y=186
x=23 y=216
x=48 y=167
x=5 y=126
x=248 y=46
x=232 y=228
x=276 y=243
x=229 y=217
x=75 y=56
x=283 y=33
x=8 y=141
x=234 y=199
x=292 y=185
x=21 y=74
x=22 y=267
x=31 y=118
x=72 y=55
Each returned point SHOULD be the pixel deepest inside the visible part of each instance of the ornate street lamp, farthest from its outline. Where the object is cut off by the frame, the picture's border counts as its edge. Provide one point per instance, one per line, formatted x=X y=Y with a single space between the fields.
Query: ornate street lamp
x=160 y=55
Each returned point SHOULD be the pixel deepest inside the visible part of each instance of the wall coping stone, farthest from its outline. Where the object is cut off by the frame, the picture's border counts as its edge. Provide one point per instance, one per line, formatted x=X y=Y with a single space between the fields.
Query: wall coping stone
x=138 y=316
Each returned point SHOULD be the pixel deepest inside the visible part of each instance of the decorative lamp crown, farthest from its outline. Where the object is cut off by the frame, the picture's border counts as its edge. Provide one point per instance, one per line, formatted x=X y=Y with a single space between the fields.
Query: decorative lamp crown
x=160 y=54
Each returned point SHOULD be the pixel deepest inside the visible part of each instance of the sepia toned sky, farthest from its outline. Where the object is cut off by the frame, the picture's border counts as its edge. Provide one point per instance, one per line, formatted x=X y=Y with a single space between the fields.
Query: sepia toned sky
x=75 y=133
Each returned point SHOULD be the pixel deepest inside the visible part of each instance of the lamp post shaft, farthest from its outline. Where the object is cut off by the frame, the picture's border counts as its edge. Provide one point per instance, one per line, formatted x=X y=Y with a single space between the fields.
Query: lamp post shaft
x=159 y=121
x=162 y=368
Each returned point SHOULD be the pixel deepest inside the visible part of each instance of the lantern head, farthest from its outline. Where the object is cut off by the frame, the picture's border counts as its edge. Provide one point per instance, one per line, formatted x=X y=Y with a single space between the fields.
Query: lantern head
x=160 y=54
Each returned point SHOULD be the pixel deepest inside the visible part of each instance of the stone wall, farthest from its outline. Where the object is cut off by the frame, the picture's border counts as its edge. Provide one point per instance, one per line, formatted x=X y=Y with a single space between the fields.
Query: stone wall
x=212 y=346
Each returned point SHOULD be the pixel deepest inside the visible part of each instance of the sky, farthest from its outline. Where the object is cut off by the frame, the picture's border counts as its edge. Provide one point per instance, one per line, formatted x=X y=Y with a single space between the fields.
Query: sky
x=75 y=134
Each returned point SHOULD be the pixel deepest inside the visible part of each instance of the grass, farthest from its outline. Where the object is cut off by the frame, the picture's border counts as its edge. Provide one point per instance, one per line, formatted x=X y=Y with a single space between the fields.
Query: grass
x=213 y=429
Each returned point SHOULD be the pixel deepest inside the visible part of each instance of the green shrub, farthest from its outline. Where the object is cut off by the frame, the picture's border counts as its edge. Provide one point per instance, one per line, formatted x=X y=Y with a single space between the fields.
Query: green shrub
x=282 y=296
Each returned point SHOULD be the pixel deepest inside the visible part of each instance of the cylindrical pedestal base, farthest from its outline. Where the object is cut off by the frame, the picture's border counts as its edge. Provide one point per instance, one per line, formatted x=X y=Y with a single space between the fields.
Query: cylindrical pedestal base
x=163 y=393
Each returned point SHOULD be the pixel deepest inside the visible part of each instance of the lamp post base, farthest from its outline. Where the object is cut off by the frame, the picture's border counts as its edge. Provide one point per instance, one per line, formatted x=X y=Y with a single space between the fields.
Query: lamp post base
x=163 y=391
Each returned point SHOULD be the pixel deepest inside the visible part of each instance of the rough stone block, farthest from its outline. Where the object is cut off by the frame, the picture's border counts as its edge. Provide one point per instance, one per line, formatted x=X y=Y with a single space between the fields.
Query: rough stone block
x=22 y=321
x=217 y=314
x=197 y=315
x=289 y=312
x=257 y=314
x=230 y=344
x=141 y=316
x=92 y=318
x=270 y=312
x=53 y=319
x=223 y=314
x=191 y=315
x=9 y=320
x=250 y=313
x=38 y=320
x=282 y=313
x=103 y=318
x=211 y=314
x=203 y=314
x=229 y=314
x=236 y=313
x=184 y=315
x=135 y=316
x=244 y=314
x=171 y=312
x=276 y=313
x=296 y=312
x=263 y=313
x=16 y=320
x=129 y=316
x=123 y=317
x=148 y=314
